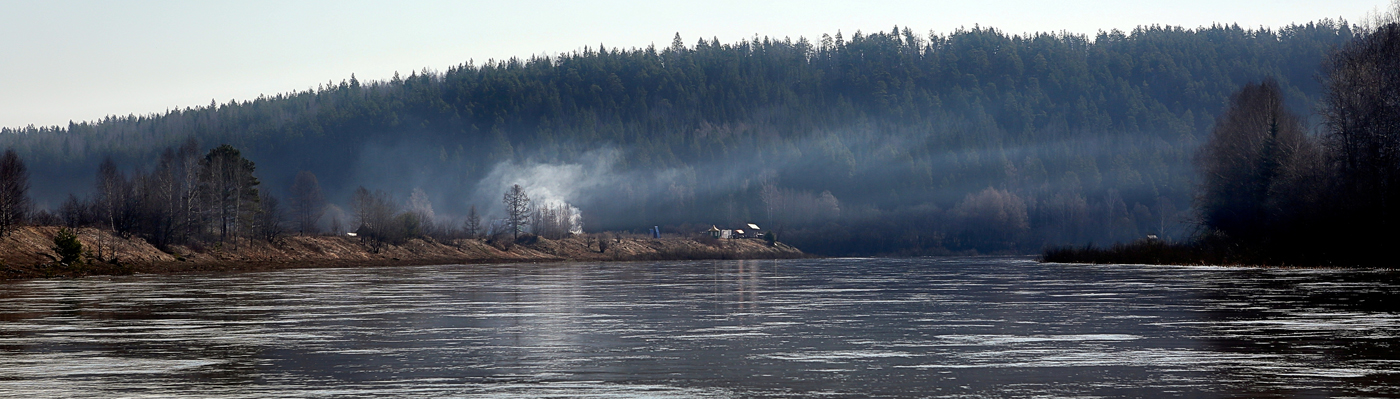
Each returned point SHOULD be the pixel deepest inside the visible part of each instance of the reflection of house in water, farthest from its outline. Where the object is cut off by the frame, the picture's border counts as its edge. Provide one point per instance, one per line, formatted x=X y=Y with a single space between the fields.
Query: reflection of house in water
x=751 y=232
x=737 y=285
x=747 y=279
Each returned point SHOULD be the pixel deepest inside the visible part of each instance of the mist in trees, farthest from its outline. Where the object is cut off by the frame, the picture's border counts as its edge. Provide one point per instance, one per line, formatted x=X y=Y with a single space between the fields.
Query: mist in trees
x=886 y=142
x=991 y=218
x=554 y=221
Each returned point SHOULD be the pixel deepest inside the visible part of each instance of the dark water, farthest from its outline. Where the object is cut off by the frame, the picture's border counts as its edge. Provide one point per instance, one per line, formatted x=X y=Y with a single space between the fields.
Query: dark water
x=945 y=327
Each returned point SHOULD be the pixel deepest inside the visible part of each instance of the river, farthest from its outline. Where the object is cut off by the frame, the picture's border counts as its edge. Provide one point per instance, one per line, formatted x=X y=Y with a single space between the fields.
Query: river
x=914 y=327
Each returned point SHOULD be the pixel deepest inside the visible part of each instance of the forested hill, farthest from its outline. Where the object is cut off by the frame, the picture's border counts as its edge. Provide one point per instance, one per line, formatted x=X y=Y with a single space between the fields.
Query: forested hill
x=886 y=142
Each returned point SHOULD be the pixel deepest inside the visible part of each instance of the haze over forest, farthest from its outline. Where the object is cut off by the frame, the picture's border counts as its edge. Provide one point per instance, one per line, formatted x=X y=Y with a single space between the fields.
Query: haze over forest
x=887 y=142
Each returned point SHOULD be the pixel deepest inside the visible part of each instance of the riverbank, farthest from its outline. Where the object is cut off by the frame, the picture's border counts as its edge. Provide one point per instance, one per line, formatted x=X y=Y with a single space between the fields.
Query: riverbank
x=1139 y=252
x=28 y=253
x=1213 y=251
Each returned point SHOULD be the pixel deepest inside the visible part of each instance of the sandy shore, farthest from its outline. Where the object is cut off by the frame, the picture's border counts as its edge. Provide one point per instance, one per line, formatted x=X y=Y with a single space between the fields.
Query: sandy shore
x=28 y=253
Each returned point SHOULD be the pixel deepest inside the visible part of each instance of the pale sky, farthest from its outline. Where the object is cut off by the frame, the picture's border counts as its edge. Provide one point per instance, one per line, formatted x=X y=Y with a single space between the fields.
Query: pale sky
x=70 y=60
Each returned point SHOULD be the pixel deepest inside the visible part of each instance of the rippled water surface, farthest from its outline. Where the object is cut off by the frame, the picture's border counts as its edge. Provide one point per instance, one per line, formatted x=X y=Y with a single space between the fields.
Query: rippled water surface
x=937 y=327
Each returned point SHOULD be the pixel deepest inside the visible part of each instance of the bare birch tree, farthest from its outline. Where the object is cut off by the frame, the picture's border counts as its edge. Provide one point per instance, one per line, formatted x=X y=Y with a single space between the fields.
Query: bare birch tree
x=230 y=190
x=14 y=192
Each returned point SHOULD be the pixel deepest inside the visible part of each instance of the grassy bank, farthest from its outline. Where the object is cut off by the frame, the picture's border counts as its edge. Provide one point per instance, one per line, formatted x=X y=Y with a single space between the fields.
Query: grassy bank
x=29 y=252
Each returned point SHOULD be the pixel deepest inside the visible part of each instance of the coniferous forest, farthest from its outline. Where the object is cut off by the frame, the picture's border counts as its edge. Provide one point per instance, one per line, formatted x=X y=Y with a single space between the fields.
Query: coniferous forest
x=869 y=143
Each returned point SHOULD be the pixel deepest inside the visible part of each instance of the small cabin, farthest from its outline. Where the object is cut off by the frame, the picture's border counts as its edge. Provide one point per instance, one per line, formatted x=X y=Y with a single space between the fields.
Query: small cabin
x=750 y=232
x=716 y=232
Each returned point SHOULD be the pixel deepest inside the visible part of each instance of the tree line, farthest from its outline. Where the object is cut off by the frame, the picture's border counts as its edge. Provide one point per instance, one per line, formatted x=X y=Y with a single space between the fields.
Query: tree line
x=187 y=197
x=197 y=200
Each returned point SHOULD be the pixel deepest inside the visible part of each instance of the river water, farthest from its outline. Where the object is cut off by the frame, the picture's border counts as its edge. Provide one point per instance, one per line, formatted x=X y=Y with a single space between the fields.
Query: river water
x=926 y=327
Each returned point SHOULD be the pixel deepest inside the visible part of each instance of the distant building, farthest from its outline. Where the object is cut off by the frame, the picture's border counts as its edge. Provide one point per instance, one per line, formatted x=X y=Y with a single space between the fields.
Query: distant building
x=752 y=232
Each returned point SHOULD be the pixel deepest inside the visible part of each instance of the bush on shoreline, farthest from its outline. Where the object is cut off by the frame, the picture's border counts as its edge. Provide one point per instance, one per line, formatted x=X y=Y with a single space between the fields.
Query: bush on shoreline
x=1210 y=249
x=1138 y=252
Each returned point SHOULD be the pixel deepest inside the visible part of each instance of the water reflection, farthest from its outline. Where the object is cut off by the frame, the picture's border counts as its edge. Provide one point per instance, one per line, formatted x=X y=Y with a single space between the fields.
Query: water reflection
x=945 y=327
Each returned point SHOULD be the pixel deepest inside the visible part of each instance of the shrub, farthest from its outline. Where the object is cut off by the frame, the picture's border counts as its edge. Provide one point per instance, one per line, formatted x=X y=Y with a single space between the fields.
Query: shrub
x=69 y=249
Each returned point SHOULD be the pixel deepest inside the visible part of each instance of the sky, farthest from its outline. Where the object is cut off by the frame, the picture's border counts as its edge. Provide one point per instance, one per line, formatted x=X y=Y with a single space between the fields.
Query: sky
x=63 y=61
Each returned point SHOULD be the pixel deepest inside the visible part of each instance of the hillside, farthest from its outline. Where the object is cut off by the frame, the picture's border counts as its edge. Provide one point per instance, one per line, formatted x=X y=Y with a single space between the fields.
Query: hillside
x=872 y=143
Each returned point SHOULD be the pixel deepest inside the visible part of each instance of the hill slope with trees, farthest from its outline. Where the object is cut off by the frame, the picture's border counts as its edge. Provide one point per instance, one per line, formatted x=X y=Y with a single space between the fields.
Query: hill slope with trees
x=876 y=143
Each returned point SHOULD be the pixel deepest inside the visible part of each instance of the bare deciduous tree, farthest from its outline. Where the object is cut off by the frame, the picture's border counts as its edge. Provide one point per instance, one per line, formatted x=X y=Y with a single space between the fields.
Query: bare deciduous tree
x=308 y=204
x=375 y=213
x=517 y=209
x=269 y=220
x=472 y=226
x=119 y=199
x=168 y=197
x=76 y=213
x=554 y=221
x=1247 y=162
x=1362 y=116
x=14 y=191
